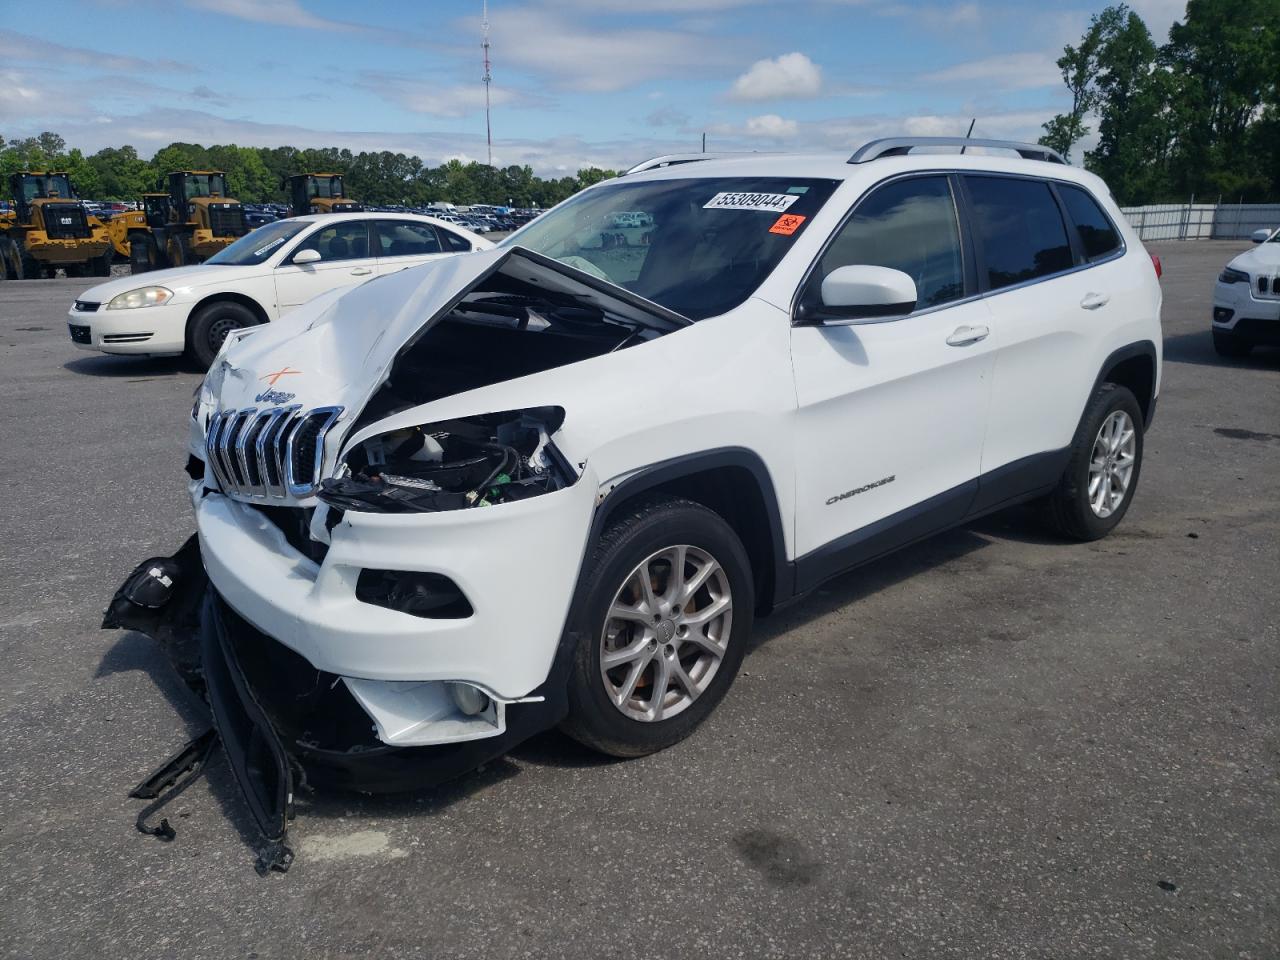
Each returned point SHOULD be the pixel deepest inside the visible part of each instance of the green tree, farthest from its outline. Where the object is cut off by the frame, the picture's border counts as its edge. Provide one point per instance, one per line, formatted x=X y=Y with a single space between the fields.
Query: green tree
x=1079 y=66
x=1223 y=58
x=121 y=173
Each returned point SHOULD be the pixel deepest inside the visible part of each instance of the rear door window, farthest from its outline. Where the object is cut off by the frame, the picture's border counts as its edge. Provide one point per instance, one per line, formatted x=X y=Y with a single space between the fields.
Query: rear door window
x=1098 y=235
x=404 y=238
x=1019 y=229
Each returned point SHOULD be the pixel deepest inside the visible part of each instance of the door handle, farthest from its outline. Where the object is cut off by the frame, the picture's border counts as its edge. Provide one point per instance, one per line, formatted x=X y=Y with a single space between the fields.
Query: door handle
x=1092 y=301
x=963 y=336
x=361 y=272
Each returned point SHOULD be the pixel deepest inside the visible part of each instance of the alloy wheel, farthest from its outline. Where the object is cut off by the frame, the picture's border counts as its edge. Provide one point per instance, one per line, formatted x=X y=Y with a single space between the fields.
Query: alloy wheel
x=1111 y=463
x=666 y=633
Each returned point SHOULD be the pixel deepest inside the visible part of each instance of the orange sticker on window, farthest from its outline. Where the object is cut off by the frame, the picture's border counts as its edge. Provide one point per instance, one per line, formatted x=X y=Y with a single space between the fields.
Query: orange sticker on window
x=787 y=224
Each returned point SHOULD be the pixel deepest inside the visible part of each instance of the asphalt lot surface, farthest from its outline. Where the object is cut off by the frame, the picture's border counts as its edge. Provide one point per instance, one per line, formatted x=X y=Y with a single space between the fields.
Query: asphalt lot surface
x=990 y=745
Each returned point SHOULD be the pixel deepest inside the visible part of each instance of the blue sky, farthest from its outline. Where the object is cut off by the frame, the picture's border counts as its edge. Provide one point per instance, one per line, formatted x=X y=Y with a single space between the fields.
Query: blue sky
x=575 y=82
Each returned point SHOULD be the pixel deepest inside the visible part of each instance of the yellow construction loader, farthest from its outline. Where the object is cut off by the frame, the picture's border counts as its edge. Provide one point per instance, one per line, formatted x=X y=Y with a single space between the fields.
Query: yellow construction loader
x=46 y=227
x=190 y=223
x=318 y=193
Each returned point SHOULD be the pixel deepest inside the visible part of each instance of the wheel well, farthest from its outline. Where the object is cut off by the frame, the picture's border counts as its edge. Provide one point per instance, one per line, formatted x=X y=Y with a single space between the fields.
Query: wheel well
x=1138 y=374
x=735 y=494
x=232 y=298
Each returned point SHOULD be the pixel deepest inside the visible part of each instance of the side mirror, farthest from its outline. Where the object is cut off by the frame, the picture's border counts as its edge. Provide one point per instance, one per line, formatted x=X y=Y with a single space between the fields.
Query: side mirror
x=861 y=292
x=1261 y=236
x=303 y=257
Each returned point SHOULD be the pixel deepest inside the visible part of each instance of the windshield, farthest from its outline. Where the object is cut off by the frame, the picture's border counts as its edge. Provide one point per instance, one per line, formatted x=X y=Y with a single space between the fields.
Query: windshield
x=43 y=187
x=255 y=247
x=699 y=247
x=326 y=187
x=205 y=185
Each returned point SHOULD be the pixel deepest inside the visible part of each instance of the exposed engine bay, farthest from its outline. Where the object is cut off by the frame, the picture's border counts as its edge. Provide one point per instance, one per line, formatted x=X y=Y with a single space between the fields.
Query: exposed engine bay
x=476 y=462
x=526 y=315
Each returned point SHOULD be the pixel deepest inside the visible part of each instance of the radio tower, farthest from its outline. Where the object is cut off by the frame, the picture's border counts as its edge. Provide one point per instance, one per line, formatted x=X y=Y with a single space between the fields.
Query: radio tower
x=488 y=78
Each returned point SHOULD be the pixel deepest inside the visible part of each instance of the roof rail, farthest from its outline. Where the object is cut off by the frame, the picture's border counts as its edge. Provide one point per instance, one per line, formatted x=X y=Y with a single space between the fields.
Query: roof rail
x=673 y=159
x=901 y=146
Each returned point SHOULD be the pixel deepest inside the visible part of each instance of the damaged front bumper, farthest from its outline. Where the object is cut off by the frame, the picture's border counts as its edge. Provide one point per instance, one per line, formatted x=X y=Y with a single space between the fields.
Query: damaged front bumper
x=282 y=721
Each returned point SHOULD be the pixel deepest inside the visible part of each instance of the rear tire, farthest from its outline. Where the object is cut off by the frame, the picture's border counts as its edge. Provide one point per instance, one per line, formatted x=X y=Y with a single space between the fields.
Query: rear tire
x=1102 y=474
x=689 y=641
x=209 y=326
x=1229 y=345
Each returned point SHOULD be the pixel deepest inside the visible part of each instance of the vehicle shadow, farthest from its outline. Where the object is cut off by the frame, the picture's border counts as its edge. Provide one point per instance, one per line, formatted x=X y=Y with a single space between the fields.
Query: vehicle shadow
x=552 y=748
x=113 y=367
x=1197 y=348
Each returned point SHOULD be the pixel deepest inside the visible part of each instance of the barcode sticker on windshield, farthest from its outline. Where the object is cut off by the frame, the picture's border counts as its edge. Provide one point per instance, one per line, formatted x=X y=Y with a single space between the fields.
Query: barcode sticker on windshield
x=769 y=202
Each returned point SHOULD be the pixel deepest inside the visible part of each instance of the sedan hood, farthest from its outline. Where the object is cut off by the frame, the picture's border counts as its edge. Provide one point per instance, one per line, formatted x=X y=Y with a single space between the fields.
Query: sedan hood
x=178 y=279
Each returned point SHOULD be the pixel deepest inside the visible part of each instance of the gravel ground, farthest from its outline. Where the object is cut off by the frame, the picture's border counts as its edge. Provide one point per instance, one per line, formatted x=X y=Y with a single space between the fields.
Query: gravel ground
x=989 y=745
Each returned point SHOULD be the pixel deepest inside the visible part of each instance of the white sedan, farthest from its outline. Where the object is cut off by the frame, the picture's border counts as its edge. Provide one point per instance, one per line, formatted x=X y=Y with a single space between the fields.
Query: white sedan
x=260 y=277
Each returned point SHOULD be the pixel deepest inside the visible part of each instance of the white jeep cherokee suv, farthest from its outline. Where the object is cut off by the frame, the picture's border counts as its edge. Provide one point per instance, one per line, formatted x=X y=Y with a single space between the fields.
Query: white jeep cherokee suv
x=1246 y=299
x=555 y=482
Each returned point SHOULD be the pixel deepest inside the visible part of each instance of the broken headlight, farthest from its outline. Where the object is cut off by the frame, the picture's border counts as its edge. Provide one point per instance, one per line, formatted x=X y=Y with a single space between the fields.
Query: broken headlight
x=453 y=465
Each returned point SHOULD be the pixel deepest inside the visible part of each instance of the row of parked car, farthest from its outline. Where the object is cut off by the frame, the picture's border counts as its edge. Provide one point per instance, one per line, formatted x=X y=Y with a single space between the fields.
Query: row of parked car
x=477 y=221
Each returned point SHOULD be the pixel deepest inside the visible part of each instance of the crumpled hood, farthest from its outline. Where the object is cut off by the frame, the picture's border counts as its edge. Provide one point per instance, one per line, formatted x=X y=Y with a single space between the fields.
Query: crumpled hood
x=335 y=349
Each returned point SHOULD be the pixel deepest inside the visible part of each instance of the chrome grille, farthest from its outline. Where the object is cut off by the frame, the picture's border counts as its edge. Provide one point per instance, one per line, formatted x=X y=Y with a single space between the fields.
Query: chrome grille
x=269 y=451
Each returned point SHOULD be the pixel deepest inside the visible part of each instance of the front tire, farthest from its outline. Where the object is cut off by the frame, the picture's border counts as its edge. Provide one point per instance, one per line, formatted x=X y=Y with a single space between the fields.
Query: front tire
x=1102 y=474
x=101 y=266
x=663 y=625
x=144 y=255
x=1229 y=345
x=210 y=325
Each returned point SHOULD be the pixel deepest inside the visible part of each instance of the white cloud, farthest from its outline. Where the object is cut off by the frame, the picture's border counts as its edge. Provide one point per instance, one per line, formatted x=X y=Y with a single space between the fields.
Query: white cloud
x=772 y=126
x=22 y=47
x=767 y=126
x=1010 y=71
x=283 y=13
x=436 y=99
x=792 y=75
x=583 y=58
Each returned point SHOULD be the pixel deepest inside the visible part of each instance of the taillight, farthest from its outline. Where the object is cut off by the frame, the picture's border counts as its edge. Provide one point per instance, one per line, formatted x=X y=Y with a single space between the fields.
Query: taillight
x=1155 y=262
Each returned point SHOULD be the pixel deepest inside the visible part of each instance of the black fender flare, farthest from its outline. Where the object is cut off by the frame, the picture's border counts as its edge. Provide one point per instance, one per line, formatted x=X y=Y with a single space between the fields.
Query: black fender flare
x=665 y=471
x=1139 y=348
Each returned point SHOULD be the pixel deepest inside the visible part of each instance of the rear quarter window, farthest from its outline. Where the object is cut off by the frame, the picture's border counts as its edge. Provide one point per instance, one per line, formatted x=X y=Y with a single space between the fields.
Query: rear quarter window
x=1019 y=228
x=1098 y=235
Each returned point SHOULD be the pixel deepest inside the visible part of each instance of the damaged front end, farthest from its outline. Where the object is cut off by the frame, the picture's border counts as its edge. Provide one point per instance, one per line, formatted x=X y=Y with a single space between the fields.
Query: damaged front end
x=452 y=465
x=378 y=597
x=281 y=722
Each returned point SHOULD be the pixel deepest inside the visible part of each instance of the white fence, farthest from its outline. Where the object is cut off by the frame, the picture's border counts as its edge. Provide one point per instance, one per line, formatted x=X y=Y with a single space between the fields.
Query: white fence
x=1201 y=221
